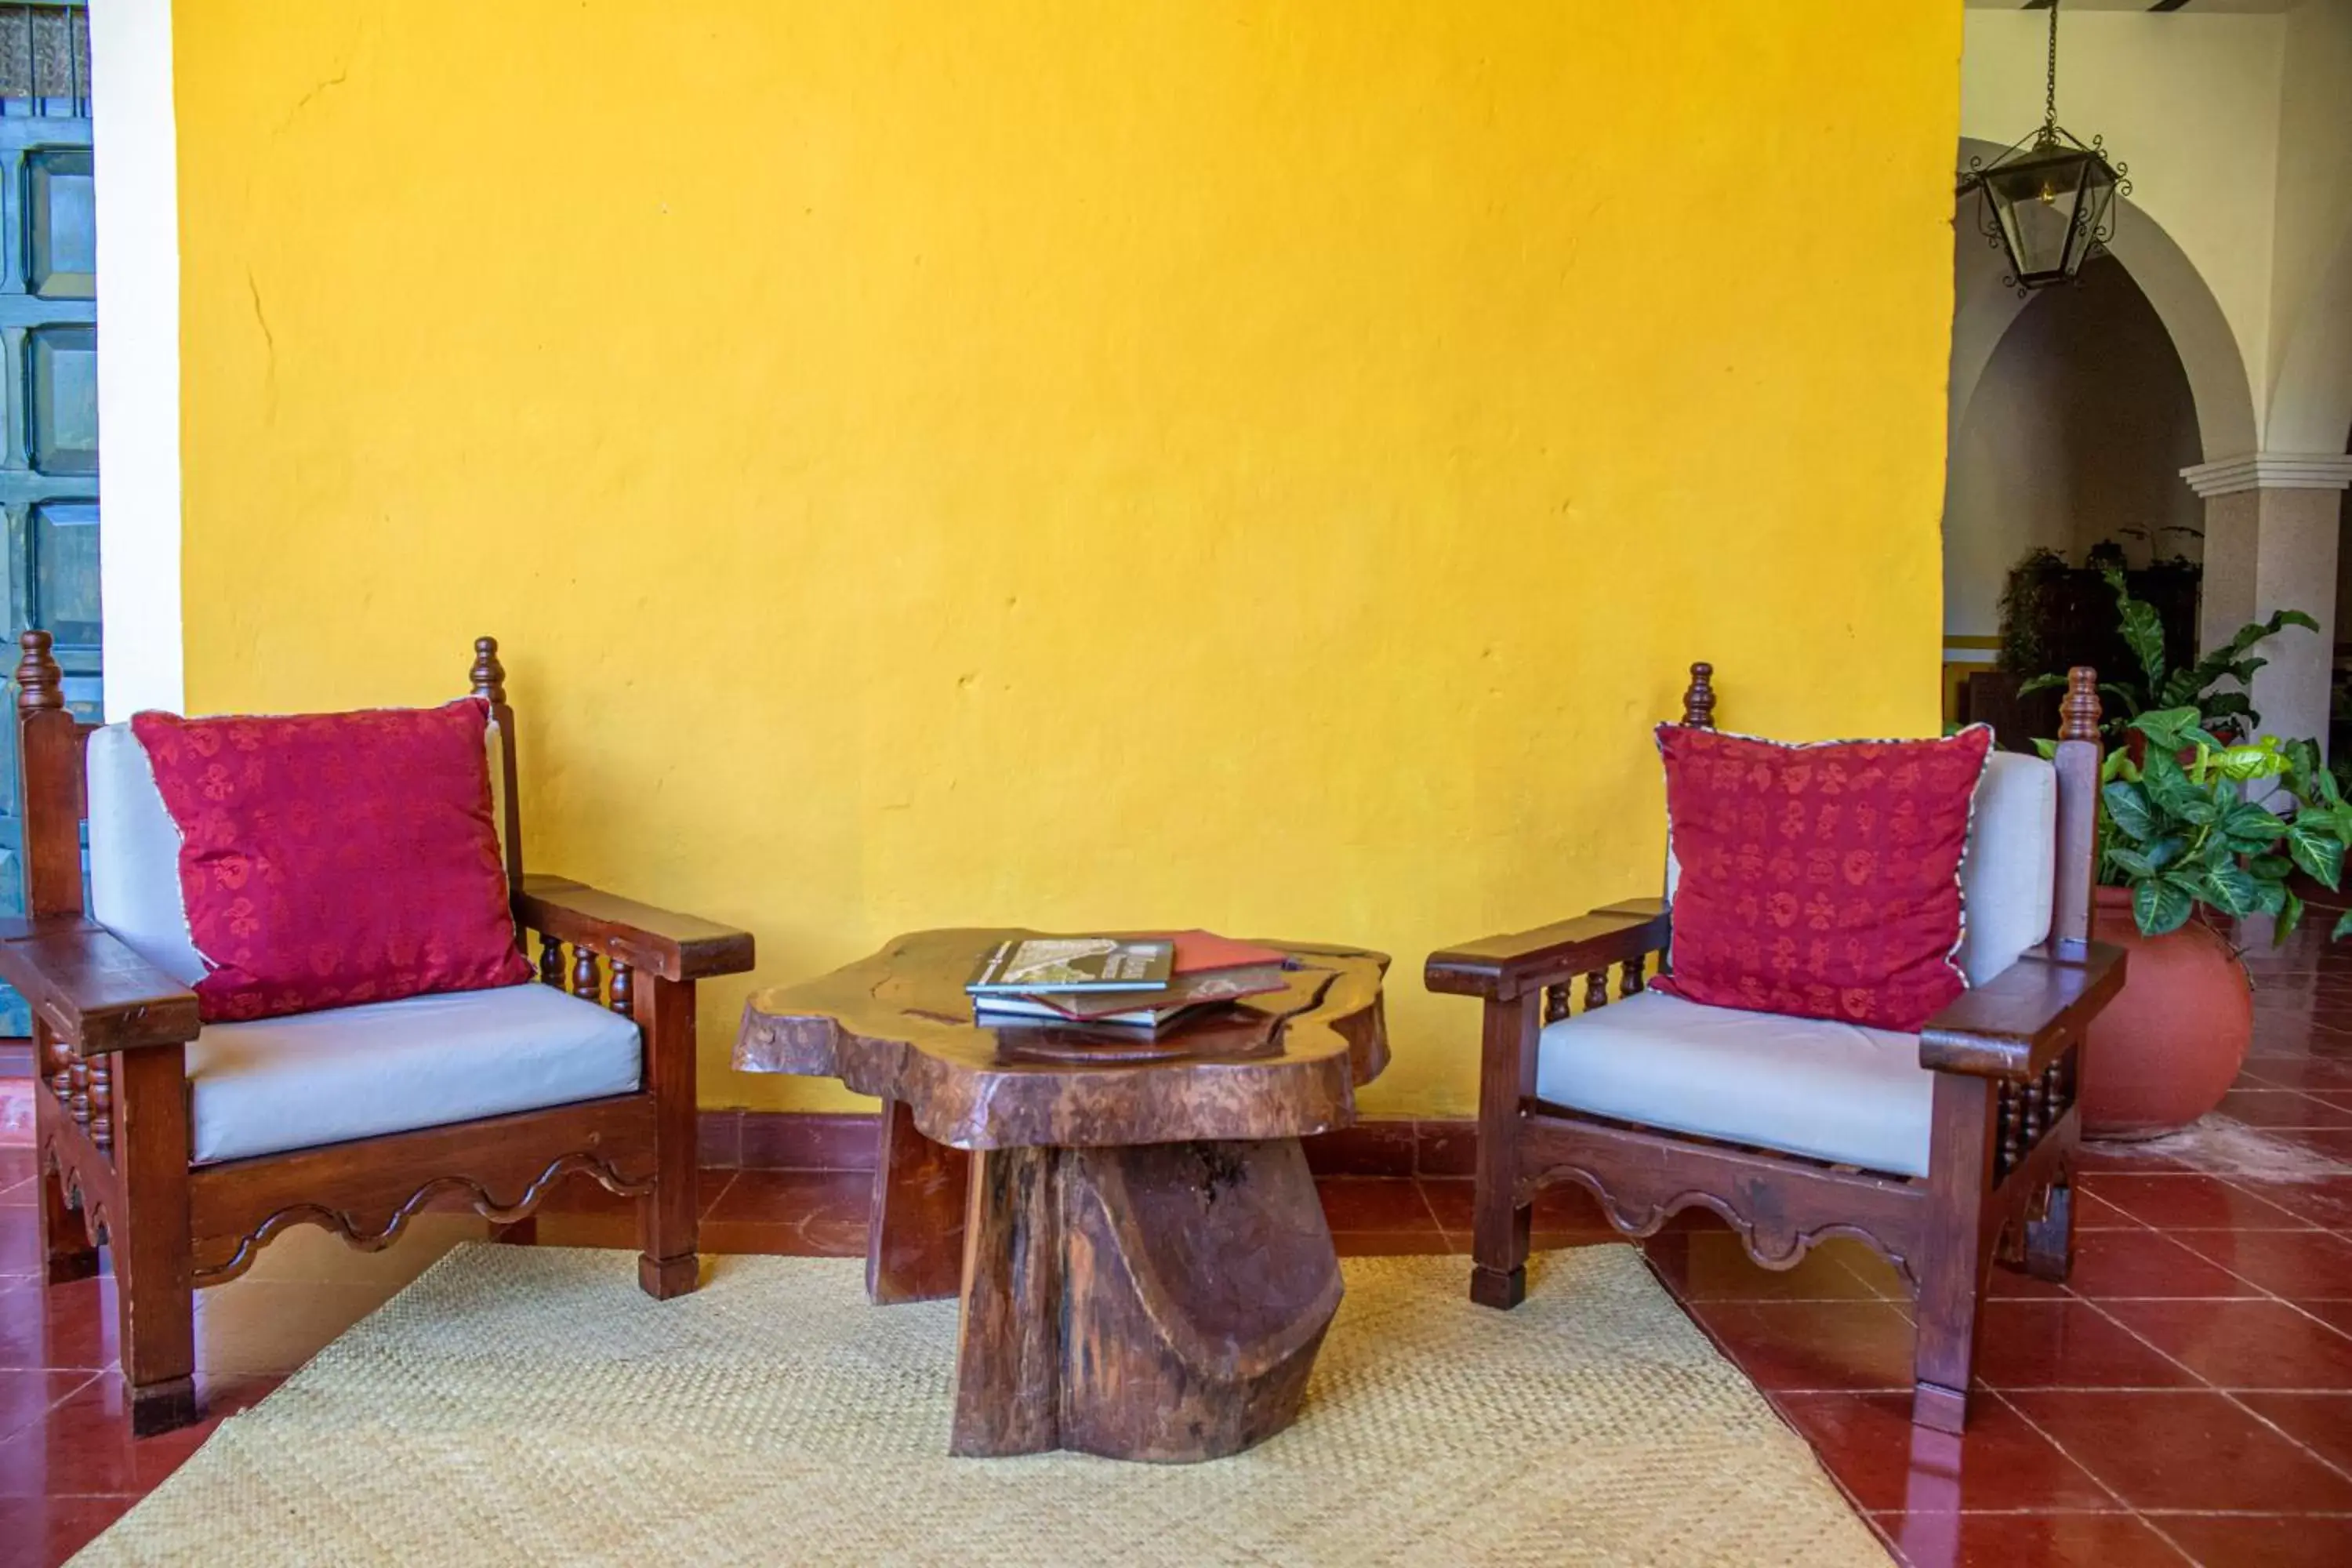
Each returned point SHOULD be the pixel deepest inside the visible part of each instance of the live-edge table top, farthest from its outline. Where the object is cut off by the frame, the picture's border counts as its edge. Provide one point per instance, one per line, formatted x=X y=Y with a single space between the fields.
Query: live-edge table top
x=898 y=1025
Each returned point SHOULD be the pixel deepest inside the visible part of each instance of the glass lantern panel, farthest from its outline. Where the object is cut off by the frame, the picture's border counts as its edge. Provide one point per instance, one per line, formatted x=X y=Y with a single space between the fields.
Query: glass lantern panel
x=2095 y=207
x=2036 y=204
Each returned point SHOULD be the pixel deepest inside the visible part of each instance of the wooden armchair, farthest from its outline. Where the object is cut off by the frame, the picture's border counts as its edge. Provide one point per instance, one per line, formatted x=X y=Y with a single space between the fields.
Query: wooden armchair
x=183 y=1149
x=1941 y=1154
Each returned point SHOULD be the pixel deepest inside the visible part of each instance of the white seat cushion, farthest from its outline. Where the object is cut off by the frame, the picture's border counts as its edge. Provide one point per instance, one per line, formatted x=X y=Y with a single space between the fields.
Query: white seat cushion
x=394 y=1066
x=1804 y=1085
x=2007 y=870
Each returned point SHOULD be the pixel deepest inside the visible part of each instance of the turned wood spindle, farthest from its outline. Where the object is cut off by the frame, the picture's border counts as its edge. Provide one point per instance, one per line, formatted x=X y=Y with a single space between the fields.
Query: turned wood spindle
x=60 y=1065
x=1698 y=700
x=102 y=1102
x=2009 y=1149
x=490 y=676
x=78 y=1095
x=2078 y=719
x=550 y=962
x=1556 y=999
x=624 y=994
x=1596 y=990
x=1633 y=981
x=40 y=684
x=587 y=978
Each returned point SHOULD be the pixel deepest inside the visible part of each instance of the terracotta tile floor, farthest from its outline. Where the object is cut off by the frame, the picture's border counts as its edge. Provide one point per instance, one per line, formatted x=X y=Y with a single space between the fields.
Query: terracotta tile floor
x=2186 y=1397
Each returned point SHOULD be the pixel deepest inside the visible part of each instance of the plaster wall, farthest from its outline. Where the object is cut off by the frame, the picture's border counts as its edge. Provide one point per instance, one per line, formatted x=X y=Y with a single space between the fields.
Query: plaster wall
x=1080 y=466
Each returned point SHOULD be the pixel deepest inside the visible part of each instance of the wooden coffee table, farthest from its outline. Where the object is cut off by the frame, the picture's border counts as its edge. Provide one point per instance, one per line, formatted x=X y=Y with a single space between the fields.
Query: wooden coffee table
x=1143 y=1266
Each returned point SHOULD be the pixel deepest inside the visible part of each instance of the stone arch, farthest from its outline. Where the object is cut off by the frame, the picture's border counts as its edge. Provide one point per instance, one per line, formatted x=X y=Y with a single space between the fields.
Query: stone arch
x=1983 y=309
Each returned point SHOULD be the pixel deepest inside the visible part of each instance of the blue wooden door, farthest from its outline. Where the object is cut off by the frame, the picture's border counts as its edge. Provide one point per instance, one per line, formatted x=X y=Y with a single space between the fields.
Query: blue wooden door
x=49 y=363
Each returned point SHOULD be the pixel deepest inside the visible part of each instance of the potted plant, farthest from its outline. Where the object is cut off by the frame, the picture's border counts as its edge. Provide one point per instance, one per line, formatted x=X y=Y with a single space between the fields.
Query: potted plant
x=2181 y=852
x=2205 y=686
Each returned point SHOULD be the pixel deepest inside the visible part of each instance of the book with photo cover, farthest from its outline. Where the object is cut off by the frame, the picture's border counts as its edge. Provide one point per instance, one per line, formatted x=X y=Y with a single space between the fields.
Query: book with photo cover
x=1025 y=965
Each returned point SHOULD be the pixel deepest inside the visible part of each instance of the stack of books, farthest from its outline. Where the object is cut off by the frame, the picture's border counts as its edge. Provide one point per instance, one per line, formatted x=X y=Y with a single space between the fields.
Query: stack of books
x=1127 y=985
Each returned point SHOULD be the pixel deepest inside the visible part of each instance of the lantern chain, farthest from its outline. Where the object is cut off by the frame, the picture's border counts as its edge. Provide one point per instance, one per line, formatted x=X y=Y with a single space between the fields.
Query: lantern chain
x=2050 y=97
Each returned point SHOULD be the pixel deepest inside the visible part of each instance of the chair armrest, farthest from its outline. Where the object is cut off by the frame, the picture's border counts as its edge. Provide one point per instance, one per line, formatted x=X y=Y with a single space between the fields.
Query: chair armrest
x=2013 y=1025
x=99 y=995
x=673 y=946
x=1502 y=968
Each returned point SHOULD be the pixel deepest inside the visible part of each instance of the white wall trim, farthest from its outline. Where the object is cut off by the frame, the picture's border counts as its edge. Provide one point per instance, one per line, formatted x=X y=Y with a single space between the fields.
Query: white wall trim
x=136 y=153
x=2271 y=471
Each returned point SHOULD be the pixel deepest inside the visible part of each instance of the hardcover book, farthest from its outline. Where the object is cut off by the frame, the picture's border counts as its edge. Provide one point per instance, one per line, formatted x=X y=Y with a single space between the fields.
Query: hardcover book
x=1134 y=1009
x=1024 y=965
x=1029 y=1012
x=1199 y=951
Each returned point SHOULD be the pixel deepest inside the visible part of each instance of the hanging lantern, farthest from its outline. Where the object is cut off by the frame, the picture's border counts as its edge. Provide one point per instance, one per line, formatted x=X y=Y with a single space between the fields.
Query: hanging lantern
x=2050 y=200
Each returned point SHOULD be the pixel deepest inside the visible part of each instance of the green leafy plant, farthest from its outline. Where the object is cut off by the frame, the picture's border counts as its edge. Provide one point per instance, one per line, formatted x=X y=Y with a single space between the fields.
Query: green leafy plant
x=2200 y=687
x=2108 y=555
x=2176 y=829
x=2022 y=651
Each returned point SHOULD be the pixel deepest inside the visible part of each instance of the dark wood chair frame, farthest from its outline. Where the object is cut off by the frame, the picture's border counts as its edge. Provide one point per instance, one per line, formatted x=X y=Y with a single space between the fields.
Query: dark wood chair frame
x=2006 y=1058
x=111 y=1103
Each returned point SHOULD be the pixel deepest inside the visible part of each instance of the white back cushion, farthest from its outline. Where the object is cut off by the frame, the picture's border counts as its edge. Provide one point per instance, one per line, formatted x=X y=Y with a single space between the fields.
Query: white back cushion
x=134 y=856
x=134 y=851
x=2006 y=874
x=2007 y=871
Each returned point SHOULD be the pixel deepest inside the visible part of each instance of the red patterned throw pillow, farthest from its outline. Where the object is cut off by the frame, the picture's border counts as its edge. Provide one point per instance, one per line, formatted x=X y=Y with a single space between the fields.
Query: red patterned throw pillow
x=335 y=859
x=1822 y=881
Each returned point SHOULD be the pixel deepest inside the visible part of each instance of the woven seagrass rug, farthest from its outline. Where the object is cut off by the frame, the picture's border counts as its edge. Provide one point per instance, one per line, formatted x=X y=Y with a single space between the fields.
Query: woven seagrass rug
x=523 y=1405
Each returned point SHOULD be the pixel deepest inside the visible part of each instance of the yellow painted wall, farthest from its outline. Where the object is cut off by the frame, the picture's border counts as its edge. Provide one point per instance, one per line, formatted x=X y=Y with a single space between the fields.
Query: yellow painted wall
x=1261 y=465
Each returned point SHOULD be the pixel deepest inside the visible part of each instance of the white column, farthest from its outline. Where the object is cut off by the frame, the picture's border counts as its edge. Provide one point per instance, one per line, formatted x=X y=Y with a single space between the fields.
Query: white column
x=2271 y=525
x=136 y=149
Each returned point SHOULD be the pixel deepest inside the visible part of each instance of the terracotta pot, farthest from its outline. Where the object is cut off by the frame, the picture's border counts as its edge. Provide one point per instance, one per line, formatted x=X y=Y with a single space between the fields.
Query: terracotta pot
x=2167 y=1049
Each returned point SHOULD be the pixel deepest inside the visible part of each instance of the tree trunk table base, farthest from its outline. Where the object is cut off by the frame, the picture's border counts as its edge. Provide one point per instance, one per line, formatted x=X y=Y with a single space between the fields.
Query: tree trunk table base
x=1160 y=1303
x=1141 y=1265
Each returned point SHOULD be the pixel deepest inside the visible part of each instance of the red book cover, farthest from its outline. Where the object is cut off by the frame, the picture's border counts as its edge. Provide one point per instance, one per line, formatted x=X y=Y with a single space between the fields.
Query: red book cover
x=1199 y=951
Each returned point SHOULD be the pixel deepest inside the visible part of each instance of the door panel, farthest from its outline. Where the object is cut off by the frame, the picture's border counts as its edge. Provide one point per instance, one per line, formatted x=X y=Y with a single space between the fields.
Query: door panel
x=49 y=370
x=61 y=250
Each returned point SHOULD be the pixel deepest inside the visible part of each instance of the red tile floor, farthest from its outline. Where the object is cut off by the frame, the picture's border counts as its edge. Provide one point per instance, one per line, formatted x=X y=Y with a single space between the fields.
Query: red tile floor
x=2187 y=1397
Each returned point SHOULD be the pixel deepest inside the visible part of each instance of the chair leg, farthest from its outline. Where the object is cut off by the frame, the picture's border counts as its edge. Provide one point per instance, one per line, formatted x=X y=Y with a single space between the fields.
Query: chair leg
x=1498 y=1274
x=67 y=1253
x=2050 y=1236
x=668 y=1266
x=68 y=1249
x=1946 y=1352
x=154 y=1273
x=1953 y=1251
